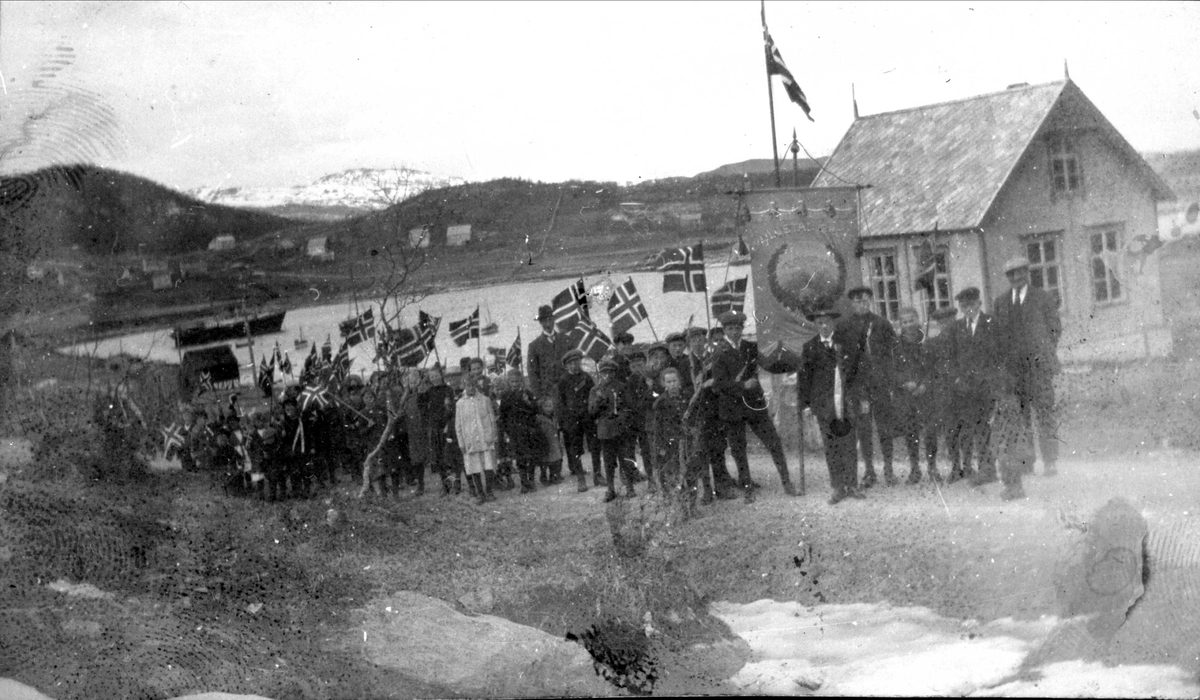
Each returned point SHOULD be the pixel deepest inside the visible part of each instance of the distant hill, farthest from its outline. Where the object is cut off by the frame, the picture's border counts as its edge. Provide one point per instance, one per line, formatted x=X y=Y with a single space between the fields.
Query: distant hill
x=333 y=196
x=105 y=212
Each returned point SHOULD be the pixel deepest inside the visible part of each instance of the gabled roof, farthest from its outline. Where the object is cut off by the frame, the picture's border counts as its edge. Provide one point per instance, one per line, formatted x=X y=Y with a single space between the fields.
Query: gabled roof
x=946 y=163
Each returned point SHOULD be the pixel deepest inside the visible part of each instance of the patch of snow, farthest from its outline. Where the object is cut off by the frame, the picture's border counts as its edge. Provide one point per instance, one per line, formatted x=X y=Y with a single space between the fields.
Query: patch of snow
x=358 y=188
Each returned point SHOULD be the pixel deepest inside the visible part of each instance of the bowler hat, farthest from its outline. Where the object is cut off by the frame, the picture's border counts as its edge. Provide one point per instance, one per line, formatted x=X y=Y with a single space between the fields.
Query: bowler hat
x=732 y=318
x=572 y=354
x=545 y=312
x=968 y=295
x=1016 y=263
x=859 y=292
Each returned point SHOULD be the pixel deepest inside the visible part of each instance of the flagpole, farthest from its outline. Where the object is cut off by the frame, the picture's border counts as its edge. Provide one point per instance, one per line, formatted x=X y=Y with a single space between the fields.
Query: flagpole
x=707 y=313
x=770 y=98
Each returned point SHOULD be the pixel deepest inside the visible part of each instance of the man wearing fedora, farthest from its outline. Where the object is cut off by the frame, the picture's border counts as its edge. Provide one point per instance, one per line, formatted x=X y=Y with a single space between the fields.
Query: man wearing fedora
x=545 y=356
x=823 y=384
x=1029 y=329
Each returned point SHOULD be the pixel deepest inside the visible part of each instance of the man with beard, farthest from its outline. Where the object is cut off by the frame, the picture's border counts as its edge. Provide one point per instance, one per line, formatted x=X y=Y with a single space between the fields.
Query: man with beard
x=545 y=355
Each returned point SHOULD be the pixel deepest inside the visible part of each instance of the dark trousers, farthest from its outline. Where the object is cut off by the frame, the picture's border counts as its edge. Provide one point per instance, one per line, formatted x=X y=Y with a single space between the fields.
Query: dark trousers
x=880 y=416
x=594 y=447
x=1035 y=392
x=573 y=441
x=763 y=427
x=971 y=433
x=734 y=433
x=841 y=456
x=613 y=451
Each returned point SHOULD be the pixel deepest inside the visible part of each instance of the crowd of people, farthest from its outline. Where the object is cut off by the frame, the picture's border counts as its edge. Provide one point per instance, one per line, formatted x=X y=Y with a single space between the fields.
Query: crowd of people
x=974 y=383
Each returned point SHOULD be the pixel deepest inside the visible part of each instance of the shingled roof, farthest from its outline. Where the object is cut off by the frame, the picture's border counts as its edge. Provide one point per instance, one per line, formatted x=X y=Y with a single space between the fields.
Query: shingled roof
x=945 y=164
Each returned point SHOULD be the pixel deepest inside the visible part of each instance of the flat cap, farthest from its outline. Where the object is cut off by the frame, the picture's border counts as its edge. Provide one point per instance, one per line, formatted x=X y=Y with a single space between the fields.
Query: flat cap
x=968 y=295
x=825 y=310
x=697 y=330
x=1016 y=263
x=572 y=354
x=860 y=292
x=623 y=337
x=716 y=331
x=660 y=347
x=732 y=318
x=677 y=336
x=636 y=353
x=607 y=365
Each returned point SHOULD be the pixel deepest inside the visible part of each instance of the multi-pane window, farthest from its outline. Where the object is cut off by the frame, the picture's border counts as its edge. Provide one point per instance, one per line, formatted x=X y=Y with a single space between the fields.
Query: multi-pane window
x=940 y=297
x=1044 y=265
x=1105 y=248
x=1065 y=174
x=885 y=282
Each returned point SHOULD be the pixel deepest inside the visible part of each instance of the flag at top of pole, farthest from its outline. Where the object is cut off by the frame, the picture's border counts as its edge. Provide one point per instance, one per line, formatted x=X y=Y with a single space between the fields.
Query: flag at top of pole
x=776 y=66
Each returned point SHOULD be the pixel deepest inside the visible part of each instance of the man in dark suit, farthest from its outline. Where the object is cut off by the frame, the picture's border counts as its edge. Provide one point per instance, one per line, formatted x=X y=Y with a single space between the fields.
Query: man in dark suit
x=975 y=364
x=754 y=402
x=545 y=356
x=727 y=380
x=872 y=342
x=1029 y=331
x=823 y=383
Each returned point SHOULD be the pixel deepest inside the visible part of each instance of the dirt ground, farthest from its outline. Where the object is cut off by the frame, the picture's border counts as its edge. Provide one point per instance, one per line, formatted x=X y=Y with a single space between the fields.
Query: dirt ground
x=166 y=585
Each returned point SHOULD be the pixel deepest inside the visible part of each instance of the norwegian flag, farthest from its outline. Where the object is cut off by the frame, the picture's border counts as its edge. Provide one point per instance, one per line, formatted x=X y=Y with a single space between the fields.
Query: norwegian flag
x=172 y=439
x=285 y=365
x=413 y=345
x=341 y=363
x=683 y=269
x=364 y=327
x=206 y=382
x=570 y=306
x=327 y=351
x=513 y=357
x=590 y=339
x=730 y=297
x=776 y=66
x=314 y=397
x=625 y=307
x=312 y=364
x=464 y=330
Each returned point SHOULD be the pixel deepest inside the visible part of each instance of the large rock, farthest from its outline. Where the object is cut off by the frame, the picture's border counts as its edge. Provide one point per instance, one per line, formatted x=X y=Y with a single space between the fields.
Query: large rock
x=427 y=639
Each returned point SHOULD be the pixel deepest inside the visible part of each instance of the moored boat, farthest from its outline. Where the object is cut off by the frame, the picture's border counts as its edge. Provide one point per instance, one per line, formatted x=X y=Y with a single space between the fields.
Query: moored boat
x=229 y=328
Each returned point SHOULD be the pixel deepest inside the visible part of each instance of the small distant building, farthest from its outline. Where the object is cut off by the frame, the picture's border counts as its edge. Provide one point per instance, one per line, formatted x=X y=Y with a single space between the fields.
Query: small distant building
x=35 y=271
x=419 y=237
x=285 y=244
x=197 y=267
x=161 y=280
x=220 y=243
x=458 y=235
x=151 y=266
x=318 y=249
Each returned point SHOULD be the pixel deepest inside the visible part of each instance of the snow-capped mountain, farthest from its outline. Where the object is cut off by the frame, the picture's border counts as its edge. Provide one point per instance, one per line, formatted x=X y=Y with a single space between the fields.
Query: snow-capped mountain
x=340 y=194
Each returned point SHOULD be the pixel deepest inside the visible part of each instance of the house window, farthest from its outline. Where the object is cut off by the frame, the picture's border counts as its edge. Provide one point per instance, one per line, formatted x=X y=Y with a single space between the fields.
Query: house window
x=884 y=281
x=1044 y=264
x=940 y=298
x=1065 y=174
x=1106 y=247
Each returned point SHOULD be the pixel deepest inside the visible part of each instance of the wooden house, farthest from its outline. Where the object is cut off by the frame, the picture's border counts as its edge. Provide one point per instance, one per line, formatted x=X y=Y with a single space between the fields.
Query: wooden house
x=1032 y=170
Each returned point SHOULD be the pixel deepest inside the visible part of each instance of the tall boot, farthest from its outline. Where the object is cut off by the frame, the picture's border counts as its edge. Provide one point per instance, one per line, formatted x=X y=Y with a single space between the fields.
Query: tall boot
x=706 y=490
x=887 y=446
x=598 y=478
x=610 y=479
x=914 y=459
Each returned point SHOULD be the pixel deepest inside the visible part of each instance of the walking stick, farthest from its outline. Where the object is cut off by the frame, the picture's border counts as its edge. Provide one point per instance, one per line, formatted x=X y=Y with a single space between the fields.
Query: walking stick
x=800 y=415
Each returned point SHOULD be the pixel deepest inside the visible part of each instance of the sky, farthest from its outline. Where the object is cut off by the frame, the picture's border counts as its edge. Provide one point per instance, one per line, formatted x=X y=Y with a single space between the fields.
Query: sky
x=277 y=94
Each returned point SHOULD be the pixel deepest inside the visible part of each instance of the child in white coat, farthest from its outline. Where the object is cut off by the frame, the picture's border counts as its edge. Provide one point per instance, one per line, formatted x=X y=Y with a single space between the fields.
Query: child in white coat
x=475 y=427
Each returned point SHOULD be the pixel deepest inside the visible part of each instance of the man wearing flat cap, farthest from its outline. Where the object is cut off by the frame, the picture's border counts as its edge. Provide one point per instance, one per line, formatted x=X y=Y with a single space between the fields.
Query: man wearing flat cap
x=824 y=379
x=1029 y=329
x=545 y=355
x=872 y=342
x=976 y=363
x=574 y=418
